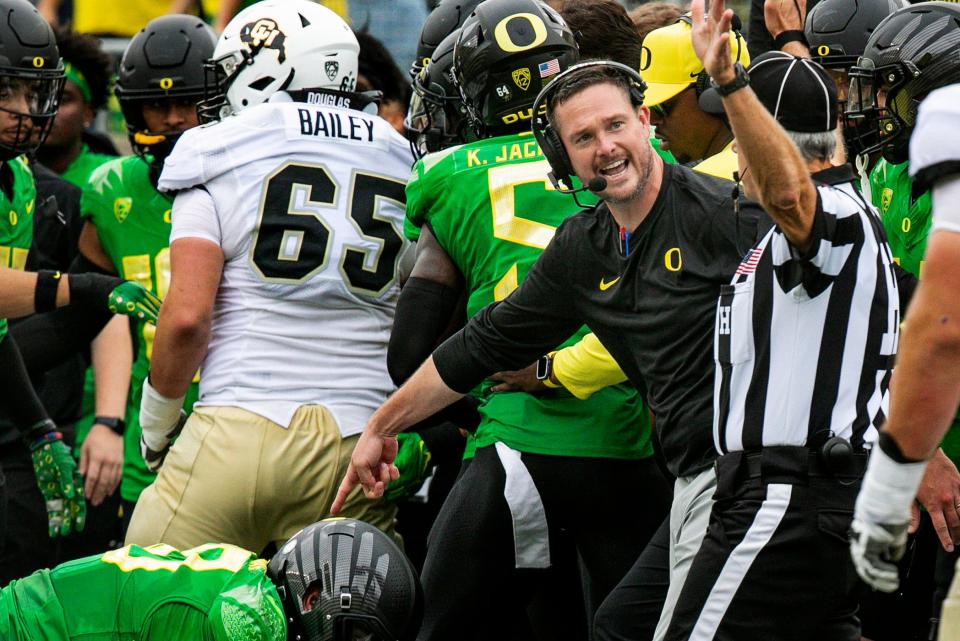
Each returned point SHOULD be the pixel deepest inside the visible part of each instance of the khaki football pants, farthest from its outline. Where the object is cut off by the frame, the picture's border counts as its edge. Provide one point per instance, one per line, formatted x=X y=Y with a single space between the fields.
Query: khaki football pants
x=236 y=477
x=950 y=613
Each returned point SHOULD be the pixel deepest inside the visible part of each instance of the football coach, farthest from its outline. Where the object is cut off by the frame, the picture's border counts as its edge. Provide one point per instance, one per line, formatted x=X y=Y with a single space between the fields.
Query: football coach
x=644 y=270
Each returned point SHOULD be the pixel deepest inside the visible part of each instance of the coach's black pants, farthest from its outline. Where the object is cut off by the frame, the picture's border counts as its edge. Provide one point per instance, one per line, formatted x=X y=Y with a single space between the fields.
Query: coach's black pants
x=607 y=508
x=775 y=563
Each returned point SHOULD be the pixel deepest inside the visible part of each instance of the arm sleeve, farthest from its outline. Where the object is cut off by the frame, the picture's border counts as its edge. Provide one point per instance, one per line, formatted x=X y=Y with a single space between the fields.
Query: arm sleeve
x=46 y=340
x=586 y=367
x=21 y=403
x=178 y=621
x=509 y=335
x=424 y=311
x=194 y=215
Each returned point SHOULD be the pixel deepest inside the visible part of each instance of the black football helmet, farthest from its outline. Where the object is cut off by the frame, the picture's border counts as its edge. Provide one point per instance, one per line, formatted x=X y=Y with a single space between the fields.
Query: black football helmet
x=367 y=587
x=31 y=74
x=508 y=50
x=164 y=60
x=911 y=53
x=837 y=31
x=436 y=118
x=446 y=18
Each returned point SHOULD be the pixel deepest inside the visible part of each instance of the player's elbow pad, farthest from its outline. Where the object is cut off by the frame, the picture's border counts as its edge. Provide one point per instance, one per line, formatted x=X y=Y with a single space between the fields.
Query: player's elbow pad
x=423 y=313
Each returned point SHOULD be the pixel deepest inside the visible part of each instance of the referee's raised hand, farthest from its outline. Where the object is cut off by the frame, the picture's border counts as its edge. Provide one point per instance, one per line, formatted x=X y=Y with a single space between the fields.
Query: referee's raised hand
x=711 y=38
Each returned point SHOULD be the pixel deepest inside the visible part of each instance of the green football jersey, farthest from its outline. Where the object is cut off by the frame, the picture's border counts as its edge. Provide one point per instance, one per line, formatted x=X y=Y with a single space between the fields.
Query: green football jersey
x=905 y=215
x=492 y=209
x=906 y=219
x=212 y=592
x=78 y=173
x=16 y=220
x=133 y=224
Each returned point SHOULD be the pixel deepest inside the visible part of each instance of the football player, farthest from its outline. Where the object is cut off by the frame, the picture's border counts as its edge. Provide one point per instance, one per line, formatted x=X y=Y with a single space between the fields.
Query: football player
x=534 y=466
x=284 y=264
x=335 y=580
x=127 y=225
x=887 y=86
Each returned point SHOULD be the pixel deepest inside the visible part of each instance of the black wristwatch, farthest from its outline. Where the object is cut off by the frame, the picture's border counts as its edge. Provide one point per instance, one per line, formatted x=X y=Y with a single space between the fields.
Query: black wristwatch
x=544 y=367
x=116 y=425
x=740 y=80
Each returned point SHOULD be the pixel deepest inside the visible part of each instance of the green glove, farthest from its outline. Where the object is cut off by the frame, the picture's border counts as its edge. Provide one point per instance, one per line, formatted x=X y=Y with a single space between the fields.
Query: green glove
x=413 y=461
x=59 y=482
x=132 y=299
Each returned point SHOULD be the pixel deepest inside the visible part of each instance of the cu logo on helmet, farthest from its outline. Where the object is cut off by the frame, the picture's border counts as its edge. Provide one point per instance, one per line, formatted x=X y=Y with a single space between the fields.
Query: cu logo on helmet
x=264 y=33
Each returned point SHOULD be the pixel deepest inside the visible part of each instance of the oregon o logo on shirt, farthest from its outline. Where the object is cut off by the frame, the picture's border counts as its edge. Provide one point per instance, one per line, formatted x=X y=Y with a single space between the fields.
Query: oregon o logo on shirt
x=502 y=35
x=672 y=259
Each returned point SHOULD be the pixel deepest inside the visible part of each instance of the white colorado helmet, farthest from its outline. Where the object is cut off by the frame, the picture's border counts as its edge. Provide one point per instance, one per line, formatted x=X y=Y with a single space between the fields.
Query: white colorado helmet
x=278 y=45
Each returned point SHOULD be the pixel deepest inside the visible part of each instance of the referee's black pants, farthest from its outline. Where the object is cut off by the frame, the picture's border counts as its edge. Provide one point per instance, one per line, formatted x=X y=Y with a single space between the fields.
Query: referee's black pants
x=474 y=582
x=775 y=562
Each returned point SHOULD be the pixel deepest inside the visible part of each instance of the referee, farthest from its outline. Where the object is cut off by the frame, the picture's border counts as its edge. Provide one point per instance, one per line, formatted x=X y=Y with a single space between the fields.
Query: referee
x=805 y=338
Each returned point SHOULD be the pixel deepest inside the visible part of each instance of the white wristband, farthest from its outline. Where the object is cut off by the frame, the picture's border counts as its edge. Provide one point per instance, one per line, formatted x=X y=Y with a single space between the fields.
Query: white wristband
x=888 y=489
x=158 y=416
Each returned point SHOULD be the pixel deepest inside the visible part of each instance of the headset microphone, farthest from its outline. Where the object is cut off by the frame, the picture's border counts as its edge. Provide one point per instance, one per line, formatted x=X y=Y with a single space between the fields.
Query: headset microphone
x=595 y=184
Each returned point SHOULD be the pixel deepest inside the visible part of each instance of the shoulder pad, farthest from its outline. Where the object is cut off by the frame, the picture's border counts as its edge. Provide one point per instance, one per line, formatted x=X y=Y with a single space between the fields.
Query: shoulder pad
x=935 y=144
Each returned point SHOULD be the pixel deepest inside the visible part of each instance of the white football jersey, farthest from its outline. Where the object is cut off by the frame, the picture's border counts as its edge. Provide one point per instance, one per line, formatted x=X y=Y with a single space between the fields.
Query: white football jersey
x=307 y=203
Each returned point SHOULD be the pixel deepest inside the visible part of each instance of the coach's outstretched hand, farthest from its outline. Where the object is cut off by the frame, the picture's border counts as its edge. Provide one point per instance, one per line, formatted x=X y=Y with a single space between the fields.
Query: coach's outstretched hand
x=132 y=299
x=371 y=467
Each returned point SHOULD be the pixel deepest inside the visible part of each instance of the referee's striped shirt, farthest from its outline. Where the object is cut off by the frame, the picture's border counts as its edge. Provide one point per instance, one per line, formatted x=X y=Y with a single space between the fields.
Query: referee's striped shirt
x=804 y=344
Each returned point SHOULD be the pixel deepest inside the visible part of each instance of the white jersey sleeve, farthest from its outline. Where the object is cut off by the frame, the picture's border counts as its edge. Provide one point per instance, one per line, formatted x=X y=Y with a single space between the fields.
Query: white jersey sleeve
x=309 y=204
x=935 y=143
x=194 y=215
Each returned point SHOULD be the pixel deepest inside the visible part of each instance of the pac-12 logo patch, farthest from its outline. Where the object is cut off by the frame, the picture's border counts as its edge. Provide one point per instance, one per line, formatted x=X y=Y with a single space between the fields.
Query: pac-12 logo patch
x=332 y=67
x=121 y=208
x=521 y=77
x=264 y=33
x=886 y=198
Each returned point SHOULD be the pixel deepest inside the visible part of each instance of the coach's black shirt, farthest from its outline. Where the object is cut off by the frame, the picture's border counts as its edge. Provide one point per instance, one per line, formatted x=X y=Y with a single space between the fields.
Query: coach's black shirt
x=654 y=310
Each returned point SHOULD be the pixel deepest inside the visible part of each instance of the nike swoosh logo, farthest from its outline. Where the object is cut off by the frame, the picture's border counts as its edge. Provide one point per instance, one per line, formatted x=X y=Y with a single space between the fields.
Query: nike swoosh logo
x=605 y=286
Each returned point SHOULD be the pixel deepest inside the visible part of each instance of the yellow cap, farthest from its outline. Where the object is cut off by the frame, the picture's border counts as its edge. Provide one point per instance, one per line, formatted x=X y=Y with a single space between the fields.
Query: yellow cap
x=669 y=65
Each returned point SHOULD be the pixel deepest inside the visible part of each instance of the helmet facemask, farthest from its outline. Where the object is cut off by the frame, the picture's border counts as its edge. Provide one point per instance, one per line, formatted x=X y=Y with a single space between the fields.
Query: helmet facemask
x=434 y=119
x=30 y=101
x=880 y=111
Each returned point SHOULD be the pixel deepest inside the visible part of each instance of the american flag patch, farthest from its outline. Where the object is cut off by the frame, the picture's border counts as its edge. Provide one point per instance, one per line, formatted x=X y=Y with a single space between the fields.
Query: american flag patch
x=549 y=68
x=749 y=263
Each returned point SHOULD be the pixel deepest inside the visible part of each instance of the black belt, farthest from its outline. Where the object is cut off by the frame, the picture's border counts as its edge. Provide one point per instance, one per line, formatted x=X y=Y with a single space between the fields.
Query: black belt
x=784 y=463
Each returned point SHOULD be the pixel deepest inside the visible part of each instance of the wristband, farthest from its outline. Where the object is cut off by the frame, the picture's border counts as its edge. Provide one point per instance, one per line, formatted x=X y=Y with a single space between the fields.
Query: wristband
x=786 y=37
x=116 y=425
x=158 y=416
x=740 y=80
x=45 y=292
x=47 y=437
x=888 y=489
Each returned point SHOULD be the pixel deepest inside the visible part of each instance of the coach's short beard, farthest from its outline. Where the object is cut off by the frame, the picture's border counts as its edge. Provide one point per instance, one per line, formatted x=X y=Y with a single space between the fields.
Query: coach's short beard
x=642 y=182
